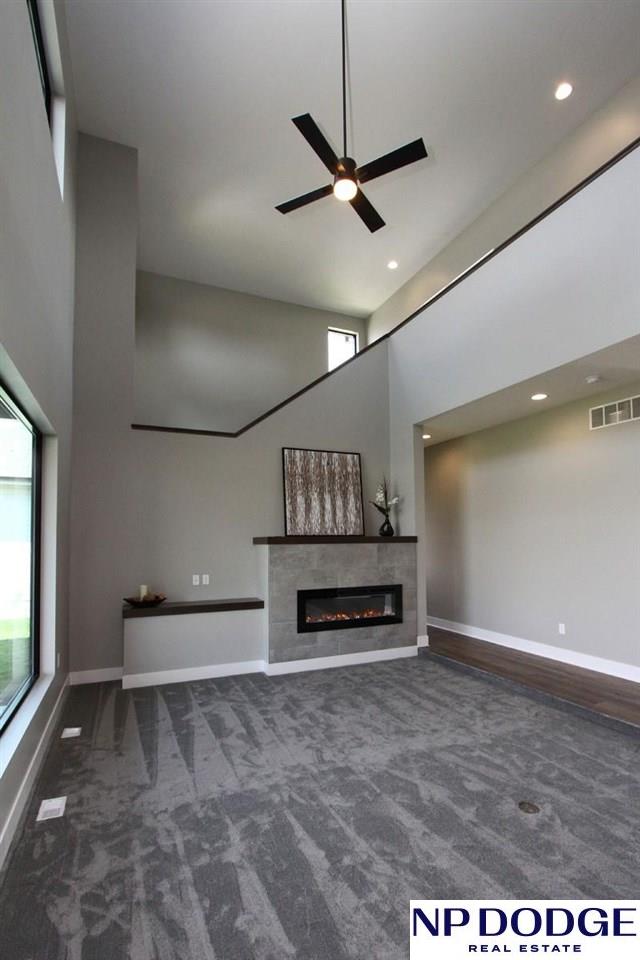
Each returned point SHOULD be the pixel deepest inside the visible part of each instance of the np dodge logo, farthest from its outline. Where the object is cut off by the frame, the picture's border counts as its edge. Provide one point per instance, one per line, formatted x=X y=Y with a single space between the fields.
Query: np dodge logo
x=593 y=929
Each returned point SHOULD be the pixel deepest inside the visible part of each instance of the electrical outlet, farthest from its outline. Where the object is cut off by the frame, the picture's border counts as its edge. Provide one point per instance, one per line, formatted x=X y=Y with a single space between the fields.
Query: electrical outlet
x=561 y=629
x=205 y=579
x=195 y=579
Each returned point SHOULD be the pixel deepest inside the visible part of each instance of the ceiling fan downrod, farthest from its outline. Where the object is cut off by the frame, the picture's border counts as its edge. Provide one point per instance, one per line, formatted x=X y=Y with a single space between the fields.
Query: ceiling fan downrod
x=347 y=176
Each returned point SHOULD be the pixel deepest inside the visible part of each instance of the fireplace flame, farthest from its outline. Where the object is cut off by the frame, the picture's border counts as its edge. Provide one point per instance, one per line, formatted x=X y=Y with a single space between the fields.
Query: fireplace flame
x=330 y=616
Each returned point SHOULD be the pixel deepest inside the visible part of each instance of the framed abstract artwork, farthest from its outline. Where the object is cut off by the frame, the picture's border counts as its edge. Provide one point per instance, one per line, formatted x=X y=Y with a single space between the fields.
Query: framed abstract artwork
x=322 y=493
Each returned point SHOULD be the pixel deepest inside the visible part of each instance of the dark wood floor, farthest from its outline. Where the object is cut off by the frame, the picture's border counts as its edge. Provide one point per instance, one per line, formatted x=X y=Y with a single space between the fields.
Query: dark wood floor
x=609 y=696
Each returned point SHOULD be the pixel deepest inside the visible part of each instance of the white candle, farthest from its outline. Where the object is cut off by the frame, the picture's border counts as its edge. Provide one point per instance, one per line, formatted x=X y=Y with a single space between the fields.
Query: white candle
x=143 y=591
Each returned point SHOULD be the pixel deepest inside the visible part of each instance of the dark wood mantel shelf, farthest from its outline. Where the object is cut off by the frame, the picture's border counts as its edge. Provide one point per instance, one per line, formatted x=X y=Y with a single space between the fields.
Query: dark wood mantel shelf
x=175 y=607
x=290 y=541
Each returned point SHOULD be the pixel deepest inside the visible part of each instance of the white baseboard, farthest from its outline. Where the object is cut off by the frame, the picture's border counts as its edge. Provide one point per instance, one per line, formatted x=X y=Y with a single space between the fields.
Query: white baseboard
x=423 y=641
x=12 y=821
x=95 y=676
x=132 y=680
x=344 y=660
x=613 y=668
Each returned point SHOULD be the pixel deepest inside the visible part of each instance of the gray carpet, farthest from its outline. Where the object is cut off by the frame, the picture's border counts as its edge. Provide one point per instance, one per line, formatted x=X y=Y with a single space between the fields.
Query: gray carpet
x=264 y=819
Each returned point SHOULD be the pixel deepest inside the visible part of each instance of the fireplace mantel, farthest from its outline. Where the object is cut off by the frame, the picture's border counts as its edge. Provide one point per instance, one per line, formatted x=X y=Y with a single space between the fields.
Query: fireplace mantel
x=293 y=541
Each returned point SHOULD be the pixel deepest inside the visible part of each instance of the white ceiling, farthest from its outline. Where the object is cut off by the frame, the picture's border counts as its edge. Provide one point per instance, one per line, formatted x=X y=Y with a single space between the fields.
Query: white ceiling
x=205 y=89
x=617 y=366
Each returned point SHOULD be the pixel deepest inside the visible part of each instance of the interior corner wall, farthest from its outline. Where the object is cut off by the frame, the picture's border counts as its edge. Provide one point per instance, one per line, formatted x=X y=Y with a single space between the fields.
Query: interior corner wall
x=104 y=512
x=155 y=508
x=536 y=522
x=215 y=359
x=37 y=253
x=566 y=288
x=600 y=137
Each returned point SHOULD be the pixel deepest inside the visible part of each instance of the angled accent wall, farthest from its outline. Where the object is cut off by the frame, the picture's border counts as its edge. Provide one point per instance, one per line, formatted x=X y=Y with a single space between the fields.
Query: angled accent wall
x=566 y=288
x=600 y=137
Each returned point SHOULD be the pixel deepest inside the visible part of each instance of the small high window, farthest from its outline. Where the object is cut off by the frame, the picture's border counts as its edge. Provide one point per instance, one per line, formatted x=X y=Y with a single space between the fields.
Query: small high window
x=41 y=56
x=342 y=345
x=20 y=447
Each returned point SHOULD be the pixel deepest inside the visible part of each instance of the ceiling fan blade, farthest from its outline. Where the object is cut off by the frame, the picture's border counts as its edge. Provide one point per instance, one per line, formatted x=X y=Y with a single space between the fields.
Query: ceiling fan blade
x=367 y=213
x=316 y=140
x=392 y=161
x=306 y=198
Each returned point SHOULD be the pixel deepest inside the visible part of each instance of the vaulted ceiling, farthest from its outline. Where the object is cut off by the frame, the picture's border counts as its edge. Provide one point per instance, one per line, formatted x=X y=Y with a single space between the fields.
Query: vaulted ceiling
x=205 y=91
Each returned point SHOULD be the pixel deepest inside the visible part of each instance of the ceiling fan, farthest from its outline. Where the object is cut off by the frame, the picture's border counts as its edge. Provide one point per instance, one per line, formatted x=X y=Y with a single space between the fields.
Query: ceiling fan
x=347 y=176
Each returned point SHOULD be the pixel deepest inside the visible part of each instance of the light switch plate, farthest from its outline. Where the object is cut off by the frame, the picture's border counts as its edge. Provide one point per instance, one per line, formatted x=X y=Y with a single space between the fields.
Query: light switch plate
x=205 y=579
x=196 y=579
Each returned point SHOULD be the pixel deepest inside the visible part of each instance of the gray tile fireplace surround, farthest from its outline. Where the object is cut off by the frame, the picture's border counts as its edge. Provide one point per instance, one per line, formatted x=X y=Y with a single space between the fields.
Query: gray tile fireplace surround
x=292 y=567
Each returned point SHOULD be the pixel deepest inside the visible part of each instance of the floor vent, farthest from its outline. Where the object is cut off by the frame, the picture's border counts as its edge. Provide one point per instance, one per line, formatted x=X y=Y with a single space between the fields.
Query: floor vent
x=69 y=732
x=50 y=809
x=611 y=414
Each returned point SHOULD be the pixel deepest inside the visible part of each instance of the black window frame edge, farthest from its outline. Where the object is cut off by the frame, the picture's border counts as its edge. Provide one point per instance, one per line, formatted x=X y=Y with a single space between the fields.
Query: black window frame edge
x=41 y=55
x=10 y=401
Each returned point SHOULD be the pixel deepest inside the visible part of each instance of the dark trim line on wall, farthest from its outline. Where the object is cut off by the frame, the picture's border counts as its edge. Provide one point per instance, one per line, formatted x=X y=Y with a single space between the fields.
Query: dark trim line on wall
x=204 y=433
x=412 y=316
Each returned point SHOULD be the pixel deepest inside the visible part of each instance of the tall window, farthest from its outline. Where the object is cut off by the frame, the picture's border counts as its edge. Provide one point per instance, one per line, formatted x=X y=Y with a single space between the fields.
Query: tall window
x=342 y=345
x=41 y=56
x=19 y=555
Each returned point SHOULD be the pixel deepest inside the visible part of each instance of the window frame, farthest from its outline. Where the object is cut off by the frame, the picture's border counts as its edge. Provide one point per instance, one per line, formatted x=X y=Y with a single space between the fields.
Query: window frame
x=350 y=333
x=41 y=55
x=36 y=515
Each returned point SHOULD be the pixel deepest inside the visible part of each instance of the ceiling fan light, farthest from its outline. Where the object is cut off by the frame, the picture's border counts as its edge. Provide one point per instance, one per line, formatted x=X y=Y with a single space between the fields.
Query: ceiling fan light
x=344 y=188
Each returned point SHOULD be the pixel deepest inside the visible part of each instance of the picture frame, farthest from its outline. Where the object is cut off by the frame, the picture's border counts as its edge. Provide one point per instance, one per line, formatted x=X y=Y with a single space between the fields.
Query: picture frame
x=322 y=493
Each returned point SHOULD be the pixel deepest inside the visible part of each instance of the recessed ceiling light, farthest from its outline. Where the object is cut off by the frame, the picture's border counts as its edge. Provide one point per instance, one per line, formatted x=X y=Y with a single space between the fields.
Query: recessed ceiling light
x=393 y=264
x=426 y=436
x=539 y=396
x=563 y=90
x=593 y=378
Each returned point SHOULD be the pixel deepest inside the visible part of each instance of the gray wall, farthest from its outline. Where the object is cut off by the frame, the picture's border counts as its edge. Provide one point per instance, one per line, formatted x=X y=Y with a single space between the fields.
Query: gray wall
x=215 y=359
x=566 y=288
x=36 y=328
x=537 y=522
x=154 y=508
x=104 y=522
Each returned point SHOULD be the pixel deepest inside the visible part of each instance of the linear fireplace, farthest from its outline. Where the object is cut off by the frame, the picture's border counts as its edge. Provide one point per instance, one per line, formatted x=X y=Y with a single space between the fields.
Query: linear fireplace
x=337 y=608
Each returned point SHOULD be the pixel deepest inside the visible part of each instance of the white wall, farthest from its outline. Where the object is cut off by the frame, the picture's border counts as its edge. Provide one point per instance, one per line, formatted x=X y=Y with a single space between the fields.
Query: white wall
x=568 y=287
x=36 y=328
x=599 y=138
x=214 y=359
x=154 y=508
x=535 y=523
